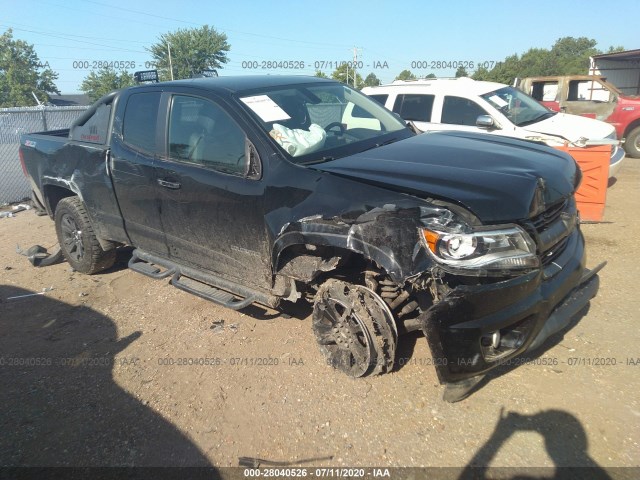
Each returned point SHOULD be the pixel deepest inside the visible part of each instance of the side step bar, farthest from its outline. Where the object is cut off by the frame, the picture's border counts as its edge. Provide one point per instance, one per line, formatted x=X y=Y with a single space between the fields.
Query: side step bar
x=204 y=285
x=209 y=292
x=144 y=264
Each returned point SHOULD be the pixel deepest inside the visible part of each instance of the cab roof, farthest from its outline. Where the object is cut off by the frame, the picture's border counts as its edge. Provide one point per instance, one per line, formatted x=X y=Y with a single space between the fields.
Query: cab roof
x=233 y=84
x=440 y=85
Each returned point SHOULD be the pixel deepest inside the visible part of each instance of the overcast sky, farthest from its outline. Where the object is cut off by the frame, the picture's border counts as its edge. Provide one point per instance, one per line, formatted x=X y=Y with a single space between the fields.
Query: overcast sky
x=389 y=37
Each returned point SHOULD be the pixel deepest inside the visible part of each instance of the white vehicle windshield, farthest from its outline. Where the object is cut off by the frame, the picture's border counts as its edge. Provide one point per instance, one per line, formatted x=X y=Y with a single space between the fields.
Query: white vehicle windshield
x=517 y=106
x=322 y=121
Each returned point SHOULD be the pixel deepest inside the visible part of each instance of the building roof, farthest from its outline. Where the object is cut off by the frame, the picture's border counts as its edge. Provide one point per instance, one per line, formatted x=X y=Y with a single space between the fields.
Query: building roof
x=626 y=55
x=70 y=100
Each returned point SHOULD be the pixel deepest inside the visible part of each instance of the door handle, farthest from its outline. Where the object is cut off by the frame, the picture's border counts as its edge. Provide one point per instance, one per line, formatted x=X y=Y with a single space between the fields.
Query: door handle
x=167 y=184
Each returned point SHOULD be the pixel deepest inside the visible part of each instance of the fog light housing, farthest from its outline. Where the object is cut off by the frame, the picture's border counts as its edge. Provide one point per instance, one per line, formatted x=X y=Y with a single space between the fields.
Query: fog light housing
x=504 y=342
x=491 y=340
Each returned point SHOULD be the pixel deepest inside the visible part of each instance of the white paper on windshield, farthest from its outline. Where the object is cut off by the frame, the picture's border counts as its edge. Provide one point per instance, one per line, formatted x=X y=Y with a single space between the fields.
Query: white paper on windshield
x=265 y=108
x=498 y=101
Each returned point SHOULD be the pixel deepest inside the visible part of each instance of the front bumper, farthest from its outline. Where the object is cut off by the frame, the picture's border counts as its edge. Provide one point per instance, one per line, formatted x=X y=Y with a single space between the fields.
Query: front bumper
x=617 y=156
x=526 y=310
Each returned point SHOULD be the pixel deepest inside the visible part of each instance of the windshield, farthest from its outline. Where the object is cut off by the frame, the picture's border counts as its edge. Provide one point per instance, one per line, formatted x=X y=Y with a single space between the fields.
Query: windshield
x=517 y=106
x=322 y=121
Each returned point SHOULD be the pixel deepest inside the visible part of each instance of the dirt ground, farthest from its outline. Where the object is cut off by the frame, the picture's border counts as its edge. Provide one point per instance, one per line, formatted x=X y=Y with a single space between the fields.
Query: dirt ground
x=120 y=369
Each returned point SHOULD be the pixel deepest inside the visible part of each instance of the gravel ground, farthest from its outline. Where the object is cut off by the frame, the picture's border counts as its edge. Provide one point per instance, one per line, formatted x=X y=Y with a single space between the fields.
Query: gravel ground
x=119 y=369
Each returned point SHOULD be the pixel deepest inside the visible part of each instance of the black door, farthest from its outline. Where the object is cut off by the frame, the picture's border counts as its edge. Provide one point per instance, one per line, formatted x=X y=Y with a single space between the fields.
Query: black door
x=211 y=214
x=133 y=151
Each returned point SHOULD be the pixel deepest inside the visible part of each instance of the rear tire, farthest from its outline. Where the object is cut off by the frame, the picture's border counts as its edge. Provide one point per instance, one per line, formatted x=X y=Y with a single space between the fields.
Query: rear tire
x=632 y=143
x=77 y=239
x=354 y=329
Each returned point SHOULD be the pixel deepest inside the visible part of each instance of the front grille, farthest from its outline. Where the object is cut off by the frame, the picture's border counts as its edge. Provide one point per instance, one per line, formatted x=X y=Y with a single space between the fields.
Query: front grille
x=549 y=225
x=543 y=220
x=554 y=252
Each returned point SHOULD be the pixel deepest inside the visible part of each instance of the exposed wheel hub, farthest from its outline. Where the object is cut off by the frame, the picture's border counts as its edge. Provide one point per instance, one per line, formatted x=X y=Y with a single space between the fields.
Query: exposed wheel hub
x=345 y=338
x=347 y=322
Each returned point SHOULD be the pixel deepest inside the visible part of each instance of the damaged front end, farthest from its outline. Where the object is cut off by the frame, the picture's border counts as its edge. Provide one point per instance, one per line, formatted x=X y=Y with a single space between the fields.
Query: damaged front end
x=481 y=294
x=530 y=281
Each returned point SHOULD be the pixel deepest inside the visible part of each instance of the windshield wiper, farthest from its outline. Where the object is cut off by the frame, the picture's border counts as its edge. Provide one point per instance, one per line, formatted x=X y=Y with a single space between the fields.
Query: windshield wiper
x=537 y=119
x=380 y=144
x=320 y=160
x=329 y=158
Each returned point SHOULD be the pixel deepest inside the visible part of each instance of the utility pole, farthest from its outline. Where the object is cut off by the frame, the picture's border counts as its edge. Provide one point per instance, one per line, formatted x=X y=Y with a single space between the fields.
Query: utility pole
x=170 y=64
x=355 y=65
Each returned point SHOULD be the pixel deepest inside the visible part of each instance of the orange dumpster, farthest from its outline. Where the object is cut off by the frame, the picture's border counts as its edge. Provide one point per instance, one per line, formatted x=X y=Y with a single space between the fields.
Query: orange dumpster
x=592 y=194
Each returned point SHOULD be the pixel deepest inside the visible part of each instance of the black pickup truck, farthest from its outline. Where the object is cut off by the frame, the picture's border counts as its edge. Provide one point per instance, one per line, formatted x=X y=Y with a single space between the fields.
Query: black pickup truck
x=266 y=189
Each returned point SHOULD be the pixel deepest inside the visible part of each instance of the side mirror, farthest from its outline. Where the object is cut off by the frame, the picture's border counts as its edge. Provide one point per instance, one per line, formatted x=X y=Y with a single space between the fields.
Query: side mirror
x=485 y=121
x=414 y=128
x=397 y=115
x=253 y=166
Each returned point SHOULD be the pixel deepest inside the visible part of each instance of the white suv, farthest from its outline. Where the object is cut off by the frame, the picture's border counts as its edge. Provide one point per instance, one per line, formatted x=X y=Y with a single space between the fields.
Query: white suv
x=466 y=104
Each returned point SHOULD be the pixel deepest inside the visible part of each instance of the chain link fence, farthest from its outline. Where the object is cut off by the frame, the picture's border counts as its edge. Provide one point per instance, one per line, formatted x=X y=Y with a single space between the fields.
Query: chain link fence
x=15 y=122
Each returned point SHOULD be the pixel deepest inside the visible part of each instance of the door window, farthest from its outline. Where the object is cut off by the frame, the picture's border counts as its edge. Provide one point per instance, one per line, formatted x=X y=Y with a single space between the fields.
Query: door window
x=202 y=133
x=545 y=91
x=414 y=107
x=461 y=111
x=381 y=98
x=587 y=90
x=140 y=116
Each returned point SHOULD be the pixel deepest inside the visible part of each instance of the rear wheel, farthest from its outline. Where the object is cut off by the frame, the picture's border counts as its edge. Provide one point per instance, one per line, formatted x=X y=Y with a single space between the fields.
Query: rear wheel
x=632 y=143
x=77 y=239
x=354 y=328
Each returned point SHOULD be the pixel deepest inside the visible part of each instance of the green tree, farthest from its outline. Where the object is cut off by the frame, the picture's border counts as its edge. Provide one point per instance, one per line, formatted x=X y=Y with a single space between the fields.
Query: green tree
x=406 y=75
x=371 y=80
x=193 y=50
x=431 y=75
x=482 y=73
x=613 y=49
x=22 y=74
x=567 y=56
x=344 y=73
x=461 y=72
x=106 y=80
x=321 y=74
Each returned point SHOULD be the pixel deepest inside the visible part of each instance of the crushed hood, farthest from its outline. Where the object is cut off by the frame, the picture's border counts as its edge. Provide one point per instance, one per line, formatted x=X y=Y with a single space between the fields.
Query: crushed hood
x=497 y=178
x=572 y=127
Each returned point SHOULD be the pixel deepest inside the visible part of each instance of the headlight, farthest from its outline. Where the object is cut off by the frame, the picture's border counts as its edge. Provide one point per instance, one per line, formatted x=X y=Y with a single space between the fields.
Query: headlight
x=505 y=248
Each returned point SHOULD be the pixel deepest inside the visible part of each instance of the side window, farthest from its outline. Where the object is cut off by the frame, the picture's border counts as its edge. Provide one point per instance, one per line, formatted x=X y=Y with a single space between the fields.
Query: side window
x=460 y=111
x=202 y=133
x=414 y=107
x=139 y=125
x=587 y=90
x=94 y=129
x=545 y=91
x=380 y=98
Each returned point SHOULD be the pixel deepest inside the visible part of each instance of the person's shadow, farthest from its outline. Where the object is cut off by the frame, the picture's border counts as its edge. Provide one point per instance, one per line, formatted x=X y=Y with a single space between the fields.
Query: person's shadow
x=565 y=441
x=60 y=406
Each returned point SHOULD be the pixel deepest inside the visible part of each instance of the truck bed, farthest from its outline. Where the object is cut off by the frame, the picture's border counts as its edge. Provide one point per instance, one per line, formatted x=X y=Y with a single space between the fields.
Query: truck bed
x=64 y=132
x=57 y=167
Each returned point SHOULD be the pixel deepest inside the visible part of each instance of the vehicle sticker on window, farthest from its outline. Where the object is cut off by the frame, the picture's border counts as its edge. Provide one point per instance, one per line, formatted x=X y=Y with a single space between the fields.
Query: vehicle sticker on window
x=265 y=108
x=499 y=102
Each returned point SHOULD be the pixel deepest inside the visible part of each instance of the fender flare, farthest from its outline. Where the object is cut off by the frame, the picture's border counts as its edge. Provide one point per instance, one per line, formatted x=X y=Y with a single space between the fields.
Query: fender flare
x=384 y=260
